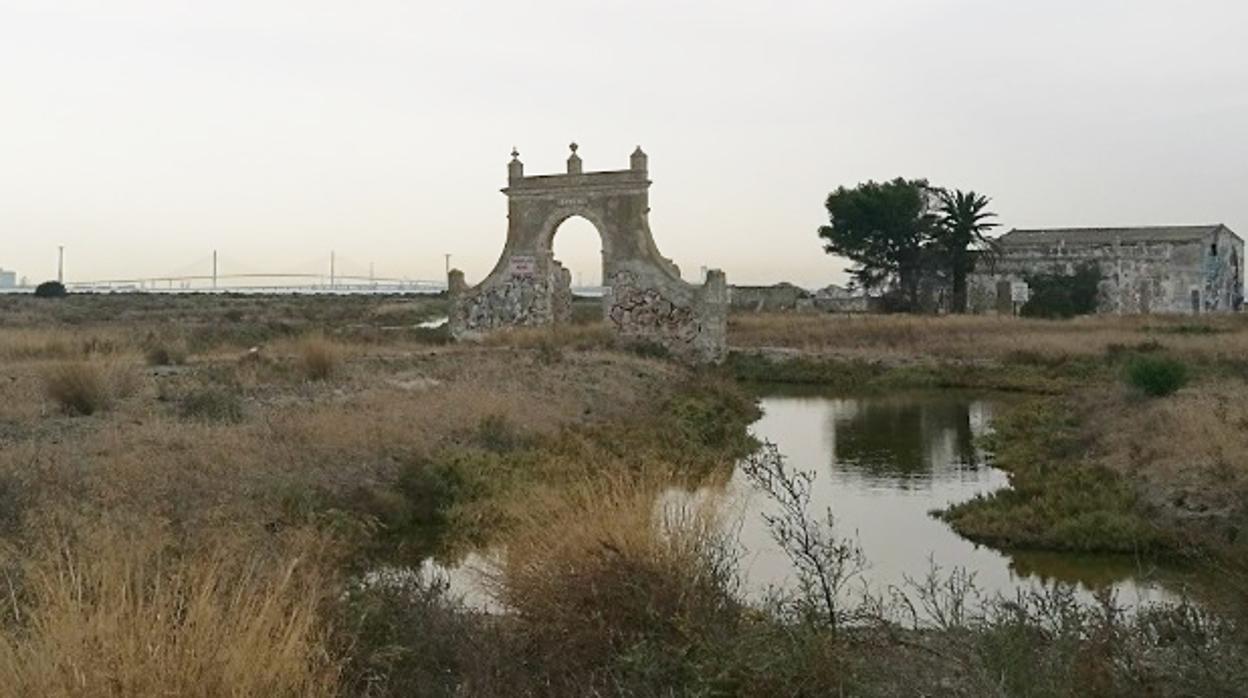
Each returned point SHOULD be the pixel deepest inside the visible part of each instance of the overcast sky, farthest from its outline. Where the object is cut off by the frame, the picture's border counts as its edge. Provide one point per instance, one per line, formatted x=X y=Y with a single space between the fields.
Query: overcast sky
x=141 y=135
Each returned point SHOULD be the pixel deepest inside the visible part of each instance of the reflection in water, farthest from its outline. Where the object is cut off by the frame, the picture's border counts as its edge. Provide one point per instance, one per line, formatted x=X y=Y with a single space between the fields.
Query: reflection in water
x=901 y=441
x=882 y=464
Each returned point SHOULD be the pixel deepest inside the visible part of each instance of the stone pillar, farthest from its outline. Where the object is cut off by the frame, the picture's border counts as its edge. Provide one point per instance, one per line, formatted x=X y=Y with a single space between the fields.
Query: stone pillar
x=574 y=160
x=515 y=168
x=639 y=161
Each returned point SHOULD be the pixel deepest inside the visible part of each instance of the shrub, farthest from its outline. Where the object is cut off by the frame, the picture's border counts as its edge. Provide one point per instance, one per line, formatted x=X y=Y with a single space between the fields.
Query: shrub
x=1157 y=376
x=319 y=358
x=1057 y=295
x=51 y=289
x=604 y=592
x=166 y=353
x=430 y=488
x=404 y=634
x=79 y=387
x=498 y=434
x=212 y=404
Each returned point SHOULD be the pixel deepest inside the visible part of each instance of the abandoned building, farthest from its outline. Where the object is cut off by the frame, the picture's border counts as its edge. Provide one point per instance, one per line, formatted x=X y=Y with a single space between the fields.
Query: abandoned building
x=781 y=296
x=1178 y=269
x=839 y=299
x=645 y=299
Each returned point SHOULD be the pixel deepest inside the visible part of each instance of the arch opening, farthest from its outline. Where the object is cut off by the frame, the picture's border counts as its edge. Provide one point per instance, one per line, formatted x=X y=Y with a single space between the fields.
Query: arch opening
x=577 y=245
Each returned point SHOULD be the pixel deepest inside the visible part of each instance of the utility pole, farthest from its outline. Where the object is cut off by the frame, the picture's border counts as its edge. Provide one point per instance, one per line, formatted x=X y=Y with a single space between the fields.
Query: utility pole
x=60 y=264
x=214 y=269
x=331 y=268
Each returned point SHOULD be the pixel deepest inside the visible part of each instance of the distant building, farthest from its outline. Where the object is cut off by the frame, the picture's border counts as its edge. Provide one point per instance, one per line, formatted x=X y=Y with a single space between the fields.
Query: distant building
x=781 y=296
x=8 y=279
x=838 y=299
x=1178 y=269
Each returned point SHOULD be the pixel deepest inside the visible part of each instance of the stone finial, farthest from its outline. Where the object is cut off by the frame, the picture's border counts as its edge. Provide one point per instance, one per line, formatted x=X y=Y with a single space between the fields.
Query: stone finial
x=574 y=160
x=638 y=161
x=515 y=168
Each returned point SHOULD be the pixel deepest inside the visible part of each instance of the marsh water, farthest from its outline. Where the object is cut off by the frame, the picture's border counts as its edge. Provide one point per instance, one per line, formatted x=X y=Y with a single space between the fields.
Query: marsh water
x=883 y=463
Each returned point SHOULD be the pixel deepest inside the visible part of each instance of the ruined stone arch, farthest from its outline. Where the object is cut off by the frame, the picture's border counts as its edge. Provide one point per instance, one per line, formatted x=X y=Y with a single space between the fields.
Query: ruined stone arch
x=646 y=300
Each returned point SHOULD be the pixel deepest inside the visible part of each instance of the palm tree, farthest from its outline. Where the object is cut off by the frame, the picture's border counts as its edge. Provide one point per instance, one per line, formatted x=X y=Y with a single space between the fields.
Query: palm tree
x=963 y=228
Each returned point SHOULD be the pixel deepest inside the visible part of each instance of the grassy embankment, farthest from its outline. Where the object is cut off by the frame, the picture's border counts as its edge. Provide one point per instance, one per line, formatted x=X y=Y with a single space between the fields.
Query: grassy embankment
x=1095 y=464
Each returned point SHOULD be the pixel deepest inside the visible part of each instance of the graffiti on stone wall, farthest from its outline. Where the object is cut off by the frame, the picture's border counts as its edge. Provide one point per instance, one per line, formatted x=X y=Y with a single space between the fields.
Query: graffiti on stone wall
x=646 y=313
x=516 y=301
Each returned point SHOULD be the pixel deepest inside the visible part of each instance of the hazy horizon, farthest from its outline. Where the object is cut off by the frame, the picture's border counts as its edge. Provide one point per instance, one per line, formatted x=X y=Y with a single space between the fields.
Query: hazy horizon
x=143 y=135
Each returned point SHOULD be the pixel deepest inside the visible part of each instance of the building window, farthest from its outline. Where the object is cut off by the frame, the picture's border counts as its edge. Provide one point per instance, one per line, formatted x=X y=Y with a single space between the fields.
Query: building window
x=1213 y=249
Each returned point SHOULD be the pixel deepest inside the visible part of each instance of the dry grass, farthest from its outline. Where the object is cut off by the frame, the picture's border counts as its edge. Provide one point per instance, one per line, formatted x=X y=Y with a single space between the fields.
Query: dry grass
x=189 y=605
x=33 y=343
x=972 y=337
x=583 y=337
x=86 y=387
x=78 y=387
x=592 y=568
x=169 y=352
x=319 y=358
x=1187 y=453
x=114 y=610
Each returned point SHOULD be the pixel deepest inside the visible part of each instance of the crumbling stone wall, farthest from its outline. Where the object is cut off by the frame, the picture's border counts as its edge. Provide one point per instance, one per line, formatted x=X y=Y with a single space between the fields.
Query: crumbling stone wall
x=646 y=301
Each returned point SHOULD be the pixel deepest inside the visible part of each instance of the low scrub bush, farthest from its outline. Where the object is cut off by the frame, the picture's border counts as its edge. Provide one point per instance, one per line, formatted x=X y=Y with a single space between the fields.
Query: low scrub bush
x=713 y=414
x=403 y=634
x=1156 y=376
x=78 y=387
x=498 y=434
x=319 y=358
x=609 y=598
x=212 y=404
x=166 y=353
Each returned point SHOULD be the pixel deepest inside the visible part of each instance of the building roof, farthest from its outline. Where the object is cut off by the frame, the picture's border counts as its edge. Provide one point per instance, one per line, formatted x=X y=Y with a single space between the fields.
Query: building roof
x=1107 y=236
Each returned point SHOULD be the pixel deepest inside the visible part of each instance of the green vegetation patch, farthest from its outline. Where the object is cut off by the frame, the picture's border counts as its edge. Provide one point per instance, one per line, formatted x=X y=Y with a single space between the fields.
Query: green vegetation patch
x=1025 y=373
x=1156 y=376
x=1057 y=500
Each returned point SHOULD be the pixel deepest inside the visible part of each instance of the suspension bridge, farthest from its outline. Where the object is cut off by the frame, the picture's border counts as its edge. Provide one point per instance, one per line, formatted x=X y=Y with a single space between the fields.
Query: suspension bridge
x=217 y=274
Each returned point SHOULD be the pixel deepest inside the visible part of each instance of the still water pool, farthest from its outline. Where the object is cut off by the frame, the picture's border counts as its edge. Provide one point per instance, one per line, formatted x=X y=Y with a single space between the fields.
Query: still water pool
x=883 y=463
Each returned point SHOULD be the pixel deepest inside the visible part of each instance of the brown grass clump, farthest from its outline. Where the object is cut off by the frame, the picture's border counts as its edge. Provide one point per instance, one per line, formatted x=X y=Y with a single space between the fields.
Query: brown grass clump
x=319 y=358
x=86 y=387
x=601 y=568
x=116 y=611
x=79 y=387
x=1187 y=454
x=167 y=353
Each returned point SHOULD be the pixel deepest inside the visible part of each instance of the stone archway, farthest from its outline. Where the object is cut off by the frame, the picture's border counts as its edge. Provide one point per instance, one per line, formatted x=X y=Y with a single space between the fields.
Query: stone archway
x=646 y=300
